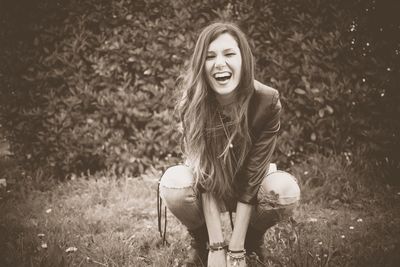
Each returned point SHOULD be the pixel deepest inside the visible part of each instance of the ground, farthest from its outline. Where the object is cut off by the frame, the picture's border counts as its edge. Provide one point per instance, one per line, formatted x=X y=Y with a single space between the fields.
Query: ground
x=110 y=221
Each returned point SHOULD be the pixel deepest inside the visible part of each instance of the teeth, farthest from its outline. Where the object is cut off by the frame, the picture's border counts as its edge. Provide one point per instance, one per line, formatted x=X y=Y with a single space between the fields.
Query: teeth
x=222 y=75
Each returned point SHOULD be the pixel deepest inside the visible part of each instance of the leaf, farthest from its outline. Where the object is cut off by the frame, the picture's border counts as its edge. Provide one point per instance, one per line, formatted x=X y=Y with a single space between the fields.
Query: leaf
x=313 y=137
x=315 y=90
x=329 y=109
x=319 y=99
x=5 y=149
x=299 y=91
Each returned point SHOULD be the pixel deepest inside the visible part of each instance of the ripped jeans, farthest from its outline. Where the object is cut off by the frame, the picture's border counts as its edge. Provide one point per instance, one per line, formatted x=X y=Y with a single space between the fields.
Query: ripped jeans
x=277 y=196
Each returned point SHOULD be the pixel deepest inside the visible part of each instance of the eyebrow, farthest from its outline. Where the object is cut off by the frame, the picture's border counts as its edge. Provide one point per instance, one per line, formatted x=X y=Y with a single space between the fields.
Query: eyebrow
x=225 y=50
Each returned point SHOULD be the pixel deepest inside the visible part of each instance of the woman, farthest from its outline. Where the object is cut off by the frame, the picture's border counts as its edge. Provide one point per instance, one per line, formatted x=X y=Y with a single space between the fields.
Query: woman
x=230 y=123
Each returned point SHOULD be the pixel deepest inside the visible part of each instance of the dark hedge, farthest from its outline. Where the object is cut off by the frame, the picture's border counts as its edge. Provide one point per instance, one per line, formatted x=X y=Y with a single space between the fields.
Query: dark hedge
x=90 y=85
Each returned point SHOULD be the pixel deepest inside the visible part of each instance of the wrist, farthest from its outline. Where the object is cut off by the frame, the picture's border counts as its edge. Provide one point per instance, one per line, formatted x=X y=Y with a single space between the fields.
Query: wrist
x=216 y=238
x=217 y=246
x=236 y=245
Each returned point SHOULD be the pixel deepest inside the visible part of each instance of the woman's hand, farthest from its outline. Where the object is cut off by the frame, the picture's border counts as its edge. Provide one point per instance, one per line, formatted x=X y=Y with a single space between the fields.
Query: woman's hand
x=216 y=258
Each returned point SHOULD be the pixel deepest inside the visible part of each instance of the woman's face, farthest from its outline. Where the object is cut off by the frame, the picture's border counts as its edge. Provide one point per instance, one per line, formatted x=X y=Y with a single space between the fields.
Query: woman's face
x=223 y=64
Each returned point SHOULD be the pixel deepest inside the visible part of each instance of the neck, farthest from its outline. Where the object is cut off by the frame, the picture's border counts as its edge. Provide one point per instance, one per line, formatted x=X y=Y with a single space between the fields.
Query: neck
x=226 y=99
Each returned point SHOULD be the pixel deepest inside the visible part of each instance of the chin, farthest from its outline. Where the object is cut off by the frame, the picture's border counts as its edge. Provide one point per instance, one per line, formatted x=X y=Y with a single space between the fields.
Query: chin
x=224 y=90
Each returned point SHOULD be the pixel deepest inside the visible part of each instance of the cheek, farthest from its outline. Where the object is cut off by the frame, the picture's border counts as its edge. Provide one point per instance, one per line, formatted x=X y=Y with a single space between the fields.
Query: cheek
x=207 y=67
x=237 y=64
x=238 y=68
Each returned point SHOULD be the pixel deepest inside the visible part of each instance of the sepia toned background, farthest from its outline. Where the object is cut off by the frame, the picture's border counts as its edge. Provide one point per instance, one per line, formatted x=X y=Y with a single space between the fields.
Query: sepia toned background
x=87 y=125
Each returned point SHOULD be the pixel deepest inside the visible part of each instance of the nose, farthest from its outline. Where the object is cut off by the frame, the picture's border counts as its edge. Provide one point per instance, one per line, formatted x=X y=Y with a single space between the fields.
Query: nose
x=219 y=61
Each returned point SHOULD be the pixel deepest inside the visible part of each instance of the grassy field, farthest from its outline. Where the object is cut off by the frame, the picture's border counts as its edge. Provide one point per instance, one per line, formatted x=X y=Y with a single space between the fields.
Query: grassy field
x=345 y=219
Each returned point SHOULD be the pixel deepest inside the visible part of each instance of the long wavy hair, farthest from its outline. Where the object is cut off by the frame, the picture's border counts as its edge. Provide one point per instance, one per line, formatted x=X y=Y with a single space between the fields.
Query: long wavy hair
x=205 y=142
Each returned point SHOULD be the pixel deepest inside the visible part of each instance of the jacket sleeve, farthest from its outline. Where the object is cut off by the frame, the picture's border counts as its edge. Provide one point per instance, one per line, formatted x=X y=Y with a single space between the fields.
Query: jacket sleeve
x=257 y=162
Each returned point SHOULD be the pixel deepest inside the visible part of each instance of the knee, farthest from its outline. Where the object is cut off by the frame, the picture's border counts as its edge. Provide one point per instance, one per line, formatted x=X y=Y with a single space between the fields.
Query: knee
x=179 y=176
x=282 y=186
x=176 y=187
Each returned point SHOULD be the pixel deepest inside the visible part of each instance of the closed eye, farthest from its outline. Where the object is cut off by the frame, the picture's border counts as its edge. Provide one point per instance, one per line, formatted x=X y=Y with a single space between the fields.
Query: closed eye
x=230 y=54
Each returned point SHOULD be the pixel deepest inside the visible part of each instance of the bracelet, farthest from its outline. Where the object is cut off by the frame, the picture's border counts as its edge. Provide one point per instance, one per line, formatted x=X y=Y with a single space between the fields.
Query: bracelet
x=237 y=255
x=237 y=251
x=217 y=246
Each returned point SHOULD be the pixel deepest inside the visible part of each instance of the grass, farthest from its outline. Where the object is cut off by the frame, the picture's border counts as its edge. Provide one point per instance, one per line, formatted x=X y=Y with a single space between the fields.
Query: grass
x=345 y=219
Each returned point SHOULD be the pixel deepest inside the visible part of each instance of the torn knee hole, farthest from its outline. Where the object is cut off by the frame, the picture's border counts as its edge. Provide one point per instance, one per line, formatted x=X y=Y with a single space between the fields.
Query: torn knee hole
x=175 y=186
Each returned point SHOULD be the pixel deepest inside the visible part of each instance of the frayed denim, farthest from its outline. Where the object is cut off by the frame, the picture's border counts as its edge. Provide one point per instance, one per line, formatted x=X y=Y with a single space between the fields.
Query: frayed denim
x=278 y=195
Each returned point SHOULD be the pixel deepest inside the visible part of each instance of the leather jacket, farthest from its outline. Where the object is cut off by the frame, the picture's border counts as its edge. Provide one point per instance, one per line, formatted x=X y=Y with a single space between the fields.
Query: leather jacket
x=264 y=124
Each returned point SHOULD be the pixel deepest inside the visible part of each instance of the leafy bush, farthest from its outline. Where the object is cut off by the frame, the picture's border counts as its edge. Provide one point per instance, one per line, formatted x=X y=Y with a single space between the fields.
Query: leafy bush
x=90 y=85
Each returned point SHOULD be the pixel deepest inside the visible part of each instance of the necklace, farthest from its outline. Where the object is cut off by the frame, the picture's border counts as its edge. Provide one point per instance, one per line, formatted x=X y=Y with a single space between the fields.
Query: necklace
x=225 y=130
x=230 y=145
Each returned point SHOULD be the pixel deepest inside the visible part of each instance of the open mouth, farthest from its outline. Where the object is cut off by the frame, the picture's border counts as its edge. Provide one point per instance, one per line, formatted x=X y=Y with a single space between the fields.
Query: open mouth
x=222 y=76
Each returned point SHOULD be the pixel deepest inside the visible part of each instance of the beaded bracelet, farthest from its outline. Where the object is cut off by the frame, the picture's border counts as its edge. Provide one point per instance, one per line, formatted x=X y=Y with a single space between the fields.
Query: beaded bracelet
x=217 y=246
x=236 y=255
